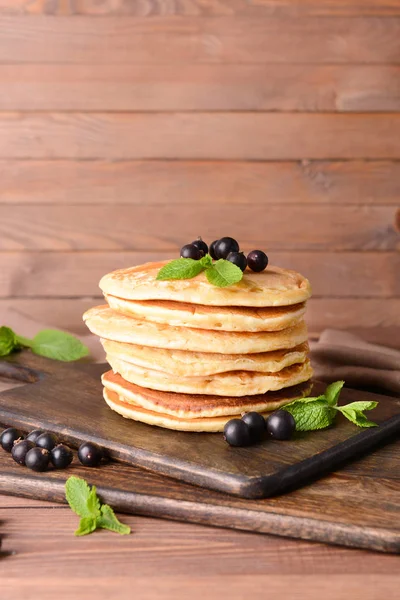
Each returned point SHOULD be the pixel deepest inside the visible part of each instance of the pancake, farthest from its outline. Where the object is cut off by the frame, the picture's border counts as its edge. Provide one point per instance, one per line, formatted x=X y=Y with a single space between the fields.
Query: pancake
x=190 y=406
x=112 y=325
x=273 y=287
x=233 y=383
x=192 y=364
x=138 y=413
x=226 y=318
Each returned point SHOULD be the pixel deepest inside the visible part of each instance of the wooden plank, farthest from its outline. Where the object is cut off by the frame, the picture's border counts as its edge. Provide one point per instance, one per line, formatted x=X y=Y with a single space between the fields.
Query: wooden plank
x=200 y=87
x=174 y=557
x=74 y=274
x=154 y=229
x=176 y=183
x=225 y=136
x=173 y=39
x=149 y=8
x=381 y=316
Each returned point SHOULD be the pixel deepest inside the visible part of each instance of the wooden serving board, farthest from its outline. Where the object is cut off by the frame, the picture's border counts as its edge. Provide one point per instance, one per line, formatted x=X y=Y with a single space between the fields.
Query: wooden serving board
x=68 y=401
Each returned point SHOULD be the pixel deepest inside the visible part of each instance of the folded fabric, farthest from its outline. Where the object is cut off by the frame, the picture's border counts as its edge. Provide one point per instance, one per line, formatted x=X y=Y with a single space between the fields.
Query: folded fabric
x=341 y=355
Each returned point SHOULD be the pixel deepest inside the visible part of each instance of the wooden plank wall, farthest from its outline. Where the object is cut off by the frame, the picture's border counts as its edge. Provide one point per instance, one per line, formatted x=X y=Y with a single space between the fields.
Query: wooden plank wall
x=130 y=127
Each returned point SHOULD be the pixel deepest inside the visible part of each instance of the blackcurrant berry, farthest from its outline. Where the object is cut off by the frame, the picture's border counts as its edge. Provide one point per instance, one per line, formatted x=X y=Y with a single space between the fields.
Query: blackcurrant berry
x=257 y=425
x=61 y=456
x=238 y=259
x=37 y=459
x=33 y=435
x=281 y=425
x=46 y=440
x=224 y=246
x=237 y=433
x=201 y=245
x=257 y=260
x=8 y=437
x=191 y=251
x=211 y=250
x=20 y=450
x=90 y=454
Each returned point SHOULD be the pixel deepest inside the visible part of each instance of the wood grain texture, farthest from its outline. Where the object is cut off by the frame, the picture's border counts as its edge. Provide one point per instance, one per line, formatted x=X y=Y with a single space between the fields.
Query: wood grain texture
x=264 y=470
x=174 y=183
x=71 y=274
x=193 y=40
x=146 y=228
x=297 y=514
x=150 y=8
x=226 y=136
x=312 y=88
x=181 y=560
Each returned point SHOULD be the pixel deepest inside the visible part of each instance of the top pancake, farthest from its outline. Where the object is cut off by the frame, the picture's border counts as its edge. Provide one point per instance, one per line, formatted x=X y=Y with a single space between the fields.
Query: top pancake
x=273 y=287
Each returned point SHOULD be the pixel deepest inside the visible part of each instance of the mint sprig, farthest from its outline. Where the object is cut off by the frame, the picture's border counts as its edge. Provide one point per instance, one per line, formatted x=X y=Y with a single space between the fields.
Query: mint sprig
x=222 y=273
x=84 y=501
x=318 y=412
x=51 y=343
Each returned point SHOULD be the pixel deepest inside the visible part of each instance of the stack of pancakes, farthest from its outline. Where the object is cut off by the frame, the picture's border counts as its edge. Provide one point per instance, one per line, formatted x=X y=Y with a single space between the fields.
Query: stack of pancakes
x=190 y=356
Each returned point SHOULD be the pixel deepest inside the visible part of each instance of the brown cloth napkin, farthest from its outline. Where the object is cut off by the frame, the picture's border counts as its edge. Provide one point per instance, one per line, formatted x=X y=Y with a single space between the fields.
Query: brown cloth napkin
x=341 y=355
x=336 y=355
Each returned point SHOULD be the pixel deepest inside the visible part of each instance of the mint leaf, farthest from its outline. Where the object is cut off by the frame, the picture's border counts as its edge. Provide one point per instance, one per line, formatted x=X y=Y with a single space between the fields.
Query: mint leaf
x=310 y=416
x=8 y=341
x=181 y=268
x=77 y=493
x=206 y=261
x=58 y=345
x=223 y=273
x=108 y=520
x=354 y=412
x=93 y=502
x=332 y=392
x=86 y=525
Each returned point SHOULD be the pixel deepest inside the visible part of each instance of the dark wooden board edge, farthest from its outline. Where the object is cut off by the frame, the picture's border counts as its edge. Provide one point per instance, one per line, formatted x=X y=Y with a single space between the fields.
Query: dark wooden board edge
x=305 y=528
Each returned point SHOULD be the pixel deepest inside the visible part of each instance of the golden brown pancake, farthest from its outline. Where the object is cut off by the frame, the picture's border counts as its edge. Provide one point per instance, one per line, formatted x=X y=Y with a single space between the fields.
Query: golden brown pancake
x=226 y=318
x=192 y=364
x=273 y=287
x=138 y=413
x=190 y=406
x=233 y=383
x=112 y=325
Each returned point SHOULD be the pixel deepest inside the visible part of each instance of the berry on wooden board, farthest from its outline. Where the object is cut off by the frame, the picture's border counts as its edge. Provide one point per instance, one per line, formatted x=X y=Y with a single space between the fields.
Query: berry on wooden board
x=61 y=456
x=37 y=459
x=8 y=437
x=257 y=425
x=90 y=454
x=237 y=433
x=281 y=425
x=47 y=441
x=33 y=435
x=20 y=450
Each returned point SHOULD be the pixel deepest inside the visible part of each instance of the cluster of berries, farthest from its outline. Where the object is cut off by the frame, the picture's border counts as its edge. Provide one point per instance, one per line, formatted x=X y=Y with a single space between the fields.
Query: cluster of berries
x=226 y=248
x=252 y=428
x=40 y=448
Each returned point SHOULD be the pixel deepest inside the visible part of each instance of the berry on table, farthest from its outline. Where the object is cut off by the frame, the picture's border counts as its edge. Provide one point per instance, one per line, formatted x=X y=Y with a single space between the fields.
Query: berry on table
x=256 y=424
x=61 y=456
x=46 y=440
x=211 y=250
x=238 y=259
x=257 y=260
x=33 y=435
x=191 y=251
x=202 y=246
x=8 y=437
x=37 y=459
x=237 y=433
x=90 y=454
x=224 y=246
x=20 y=449
x=281 y=425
